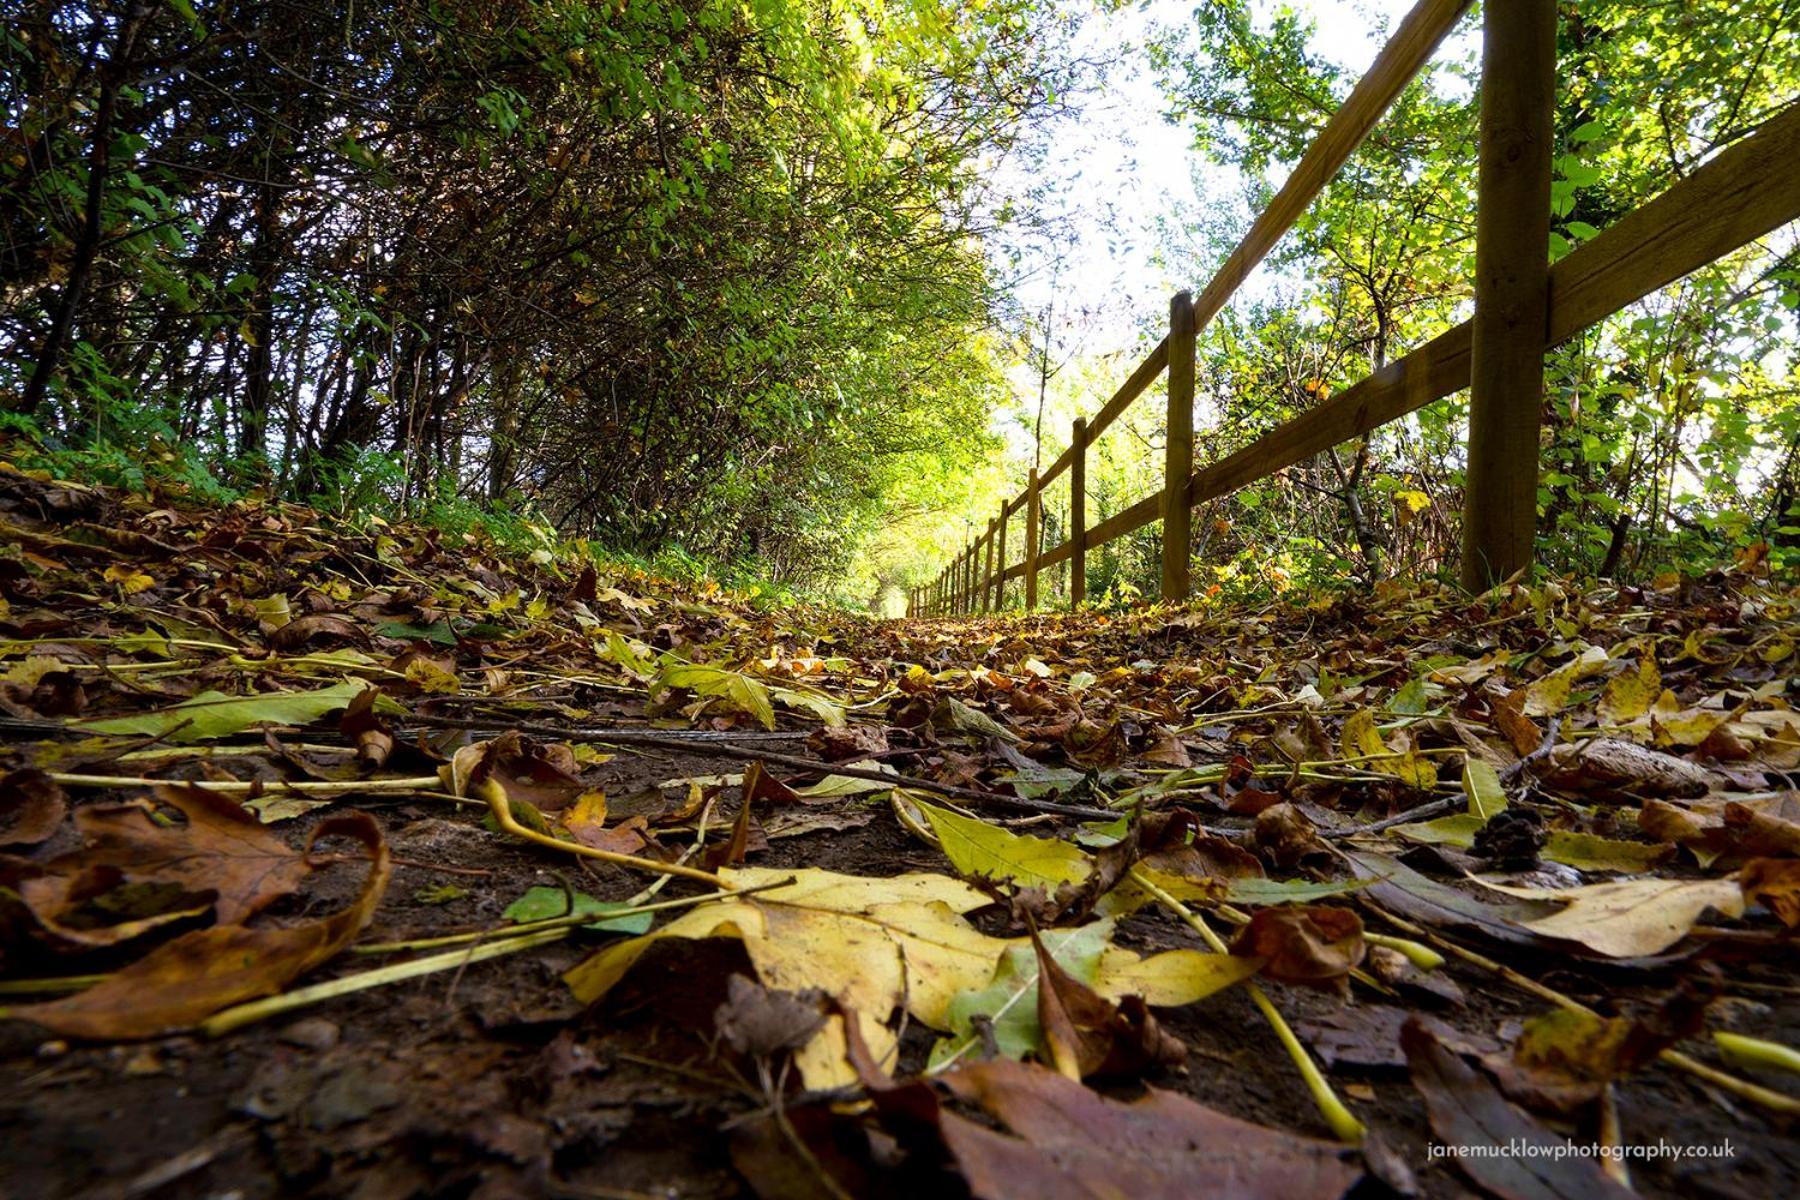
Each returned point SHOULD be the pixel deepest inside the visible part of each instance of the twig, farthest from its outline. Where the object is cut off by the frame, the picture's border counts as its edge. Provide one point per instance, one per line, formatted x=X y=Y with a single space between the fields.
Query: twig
x=1741 y=1088
x=1343 y=1122
x=239 y=1015
x=791 y=761
x=1424 y=812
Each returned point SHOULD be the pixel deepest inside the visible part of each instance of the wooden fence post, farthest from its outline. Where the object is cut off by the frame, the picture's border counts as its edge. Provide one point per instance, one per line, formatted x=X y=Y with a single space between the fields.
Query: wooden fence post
x=1033 y=516
x=1078 y=514
x=1512 y=289
x=1000 y=566
x=1178 y=464
x=965 y=581
x=987 y=570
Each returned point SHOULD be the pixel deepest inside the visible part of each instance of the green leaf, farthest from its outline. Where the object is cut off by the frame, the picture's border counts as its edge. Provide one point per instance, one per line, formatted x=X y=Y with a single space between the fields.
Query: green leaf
x=438 y=631
x=545 y=903
x=1409 y=700
x=964 y=719
x=1481 y=784
x=845 y=785
x=740 y=691
x=1458 y=830
x=1287 y=891
x=977 y=848
x=1010 y=1002
x=214 y=715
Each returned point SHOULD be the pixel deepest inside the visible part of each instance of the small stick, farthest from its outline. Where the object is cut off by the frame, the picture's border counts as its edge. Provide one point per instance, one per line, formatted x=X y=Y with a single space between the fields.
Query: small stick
x=1743 y=1089
x=1342 y=1121
x=1436 y=808
x=502 y=810
x=791 y=761
x=229 y=787
x=237 y=1016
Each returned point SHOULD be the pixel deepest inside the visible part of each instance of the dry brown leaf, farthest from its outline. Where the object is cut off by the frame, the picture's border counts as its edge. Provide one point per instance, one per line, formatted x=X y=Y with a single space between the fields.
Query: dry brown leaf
x=1468 y=1113
x=1309 y=944
x=1070 y=1143
x=185 y=981
x=222 y=851
x=1087 y=1034
x=32 y=807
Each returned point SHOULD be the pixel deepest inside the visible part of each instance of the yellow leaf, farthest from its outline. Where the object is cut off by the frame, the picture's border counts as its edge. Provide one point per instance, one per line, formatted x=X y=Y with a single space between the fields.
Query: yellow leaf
x=1629 y=696
x=1172 y=978
x=1547 y=696
x=1481 y=784
x=130 y=580
x=1630 y=918
x=1414 y=502
x=1458 y=830
x=740 y=691
x=977 y=848
x=431 y=678
x=1360 y=738
x=1590 y=852
x=872 y=943
x=589 y=810
x=1673 y=725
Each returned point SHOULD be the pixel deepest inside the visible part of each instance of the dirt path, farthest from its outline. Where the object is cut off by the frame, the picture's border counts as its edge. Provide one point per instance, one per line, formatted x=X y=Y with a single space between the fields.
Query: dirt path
x=1633 y=736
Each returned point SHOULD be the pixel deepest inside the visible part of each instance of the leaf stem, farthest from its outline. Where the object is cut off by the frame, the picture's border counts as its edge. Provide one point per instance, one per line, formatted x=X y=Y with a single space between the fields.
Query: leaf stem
x=1743 y=1089
x=1342 y=1121
x=237 y=1016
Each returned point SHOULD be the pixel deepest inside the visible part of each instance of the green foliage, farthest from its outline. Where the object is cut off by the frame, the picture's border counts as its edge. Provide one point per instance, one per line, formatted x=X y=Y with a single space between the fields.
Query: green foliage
x=1671 y=429
x=686 y=273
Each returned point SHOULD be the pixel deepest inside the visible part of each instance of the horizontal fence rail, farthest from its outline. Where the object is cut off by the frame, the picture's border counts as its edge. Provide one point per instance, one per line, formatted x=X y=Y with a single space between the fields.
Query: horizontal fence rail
x=1745 y=191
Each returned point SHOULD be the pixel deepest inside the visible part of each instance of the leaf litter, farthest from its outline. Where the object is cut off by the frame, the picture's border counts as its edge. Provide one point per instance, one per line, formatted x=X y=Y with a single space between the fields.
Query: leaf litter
x=375 y=838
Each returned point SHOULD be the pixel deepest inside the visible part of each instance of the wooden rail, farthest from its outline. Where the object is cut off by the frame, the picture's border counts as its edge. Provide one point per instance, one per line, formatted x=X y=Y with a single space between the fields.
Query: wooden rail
x=1522 y=310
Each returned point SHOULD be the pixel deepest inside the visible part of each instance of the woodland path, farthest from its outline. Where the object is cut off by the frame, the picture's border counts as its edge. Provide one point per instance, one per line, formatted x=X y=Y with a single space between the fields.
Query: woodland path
x=1550 y=737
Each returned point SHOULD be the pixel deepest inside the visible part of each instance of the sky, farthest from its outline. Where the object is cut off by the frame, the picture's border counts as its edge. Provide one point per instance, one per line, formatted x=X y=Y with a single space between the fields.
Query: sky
x=1117 y=157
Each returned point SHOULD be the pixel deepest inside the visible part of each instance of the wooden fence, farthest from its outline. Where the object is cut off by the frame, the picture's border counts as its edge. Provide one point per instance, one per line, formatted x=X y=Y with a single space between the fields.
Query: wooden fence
x=1523 y=307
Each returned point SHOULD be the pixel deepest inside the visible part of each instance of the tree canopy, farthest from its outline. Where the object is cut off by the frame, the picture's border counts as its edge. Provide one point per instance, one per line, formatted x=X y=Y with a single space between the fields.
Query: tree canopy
x=674 y=271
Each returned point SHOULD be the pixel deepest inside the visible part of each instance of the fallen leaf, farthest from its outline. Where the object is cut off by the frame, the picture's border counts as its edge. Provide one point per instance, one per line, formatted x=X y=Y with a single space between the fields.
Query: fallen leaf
x=977 y=848
x=212 y=715
x=184 y=981
x=1305 y=944
x=1006 y=1007
x=1471 y=1118
x=1630 y=918
x=1070 y=1143
x=1776 y=884
x=1629 y=696
x=221 y=852
x=1087 y=1034
x=547 y=903
x=739 y=691
x=1609 y=767
x=869 y=943
x=523 y=771
x=32 y=807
